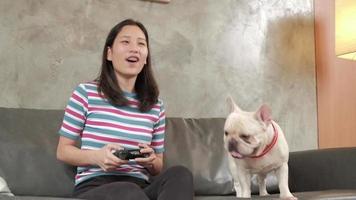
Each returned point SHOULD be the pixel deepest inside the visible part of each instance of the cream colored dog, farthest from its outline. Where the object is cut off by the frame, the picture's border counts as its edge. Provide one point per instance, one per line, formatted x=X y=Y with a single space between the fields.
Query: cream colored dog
x=256 y=145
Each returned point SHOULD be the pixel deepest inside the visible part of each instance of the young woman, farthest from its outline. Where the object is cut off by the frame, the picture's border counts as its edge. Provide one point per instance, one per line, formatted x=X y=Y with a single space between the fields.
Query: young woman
x=120 y=109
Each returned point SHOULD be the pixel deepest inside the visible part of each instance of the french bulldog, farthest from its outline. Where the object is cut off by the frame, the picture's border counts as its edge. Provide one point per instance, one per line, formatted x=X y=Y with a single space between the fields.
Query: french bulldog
x=255 y=145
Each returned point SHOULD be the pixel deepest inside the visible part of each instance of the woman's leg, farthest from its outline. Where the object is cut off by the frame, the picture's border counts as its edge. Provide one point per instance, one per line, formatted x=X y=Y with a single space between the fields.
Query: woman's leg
x=111 y=187
x=176 y=183
x=115 y=191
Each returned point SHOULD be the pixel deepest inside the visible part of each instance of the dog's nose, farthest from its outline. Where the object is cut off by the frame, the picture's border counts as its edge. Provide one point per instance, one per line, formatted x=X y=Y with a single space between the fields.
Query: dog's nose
x=232 y=145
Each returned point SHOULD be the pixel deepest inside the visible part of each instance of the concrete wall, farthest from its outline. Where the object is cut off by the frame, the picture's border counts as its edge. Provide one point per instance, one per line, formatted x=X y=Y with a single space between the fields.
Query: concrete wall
x=203 y=50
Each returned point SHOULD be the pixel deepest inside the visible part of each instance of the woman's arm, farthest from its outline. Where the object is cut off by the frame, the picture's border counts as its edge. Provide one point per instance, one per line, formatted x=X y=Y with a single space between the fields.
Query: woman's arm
x=70 y=154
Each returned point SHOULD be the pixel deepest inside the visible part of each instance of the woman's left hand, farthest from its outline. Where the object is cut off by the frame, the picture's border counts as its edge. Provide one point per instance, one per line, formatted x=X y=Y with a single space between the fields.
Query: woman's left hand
x=149 y=160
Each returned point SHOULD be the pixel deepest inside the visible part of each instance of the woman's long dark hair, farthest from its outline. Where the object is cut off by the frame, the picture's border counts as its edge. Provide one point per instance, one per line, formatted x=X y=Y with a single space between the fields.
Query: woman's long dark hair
x=145 y=85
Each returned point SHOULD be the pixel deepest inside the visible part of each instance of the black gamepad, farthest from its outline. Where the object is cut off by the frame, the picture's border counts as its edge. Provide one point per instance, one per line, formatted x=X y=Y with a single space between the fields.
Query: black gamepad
x=128 y=154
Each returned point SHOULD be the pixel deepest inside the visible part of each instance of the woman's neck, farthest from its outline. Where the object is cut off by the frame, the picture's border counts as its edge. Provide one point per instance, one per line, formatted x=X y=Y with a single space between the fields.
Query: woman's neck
x=127 y=84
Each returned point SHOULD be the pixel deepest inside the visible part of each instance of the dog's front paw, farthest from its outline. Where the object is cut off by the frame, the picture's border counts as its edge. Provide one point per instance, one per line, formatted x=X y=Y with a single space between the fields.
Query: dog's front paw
x=289 y=198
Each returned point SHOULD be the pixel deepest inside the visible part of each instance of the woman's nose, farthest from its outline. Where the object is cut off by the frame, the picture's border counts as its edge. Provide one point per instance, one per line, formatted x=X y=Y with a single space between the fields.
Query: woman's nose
x=134 y=48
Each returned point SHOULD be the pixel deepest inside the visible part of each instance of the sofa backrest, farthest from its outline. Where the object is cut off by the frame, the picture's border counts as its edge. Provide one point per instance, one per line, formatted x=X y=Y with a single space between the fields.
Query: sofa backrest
x=322 y=169
x=28 y=141
x=198 y=145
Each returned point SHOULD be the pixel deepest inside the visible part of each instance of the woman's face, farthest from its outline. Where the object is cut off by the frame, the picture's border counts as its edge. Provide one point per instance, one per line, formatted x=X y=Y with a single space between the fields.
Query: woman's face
x=129 y=52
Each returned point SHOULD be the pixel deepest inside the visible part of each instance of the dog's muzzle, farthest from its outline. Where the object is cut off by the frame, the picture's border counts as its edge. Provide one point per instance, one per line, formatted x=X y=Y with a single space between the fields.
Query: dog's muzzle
x=232 y=145
x=232 y=148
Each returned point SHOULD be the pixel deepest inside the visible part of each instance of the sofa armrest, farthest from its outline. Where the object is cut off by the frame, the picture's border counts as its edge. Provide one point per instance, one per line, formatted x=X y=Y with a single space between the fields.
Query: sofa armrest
x=322 y=169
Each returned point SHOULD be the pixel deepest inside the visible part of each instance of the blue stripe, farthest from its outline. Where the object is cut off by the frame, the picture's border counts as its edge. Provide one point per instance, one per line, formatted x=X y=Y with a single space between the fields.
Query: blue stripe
x=91 y=87
x=121 y=120
x=128 y=136
x=92 y=144
x=81 y=91
x=73 y=121
x=159 y=150
x=160 y=122
x=76 y=106
x=158 y=136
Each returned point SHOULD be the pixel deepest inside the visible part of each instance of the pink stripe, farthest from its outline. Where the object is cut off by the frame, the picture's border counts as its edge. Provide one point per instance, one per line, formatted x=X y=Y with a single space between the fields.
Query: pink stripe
x=124 y=169
x=67 y=126
x=107 y=124
x=160 y=129
x=106 y=139
x=157 y=143
x=70 y=111
x=78 y=98
x=119 y=112
x=162 y=115
x=93 y=94
x=135 y=103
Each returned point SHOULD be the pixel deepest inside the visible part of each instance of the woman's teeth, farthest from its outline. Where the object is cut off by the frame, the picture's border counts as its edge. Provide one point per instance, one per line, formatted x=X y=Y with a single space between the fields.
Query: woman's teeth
x=132 y=59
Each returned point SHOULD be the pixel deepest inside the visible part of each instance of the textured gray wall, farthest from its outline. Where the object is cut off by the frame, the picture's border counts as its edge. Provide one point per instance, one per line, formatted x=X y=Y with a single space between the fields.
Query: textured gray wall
x=203 y=50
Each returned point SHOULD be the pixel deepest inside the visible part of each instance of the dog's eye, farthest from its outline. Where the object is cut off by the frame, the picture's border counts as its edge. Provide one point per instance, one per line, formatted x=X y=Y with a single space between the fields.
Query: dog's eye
x=226 y=133
x=245 y=137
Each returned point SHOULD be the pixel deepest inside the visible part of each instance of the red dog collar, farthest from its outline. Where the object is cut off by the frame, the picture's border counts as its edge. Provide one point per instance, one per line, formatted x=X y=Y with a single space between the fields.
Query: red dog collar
x=270 y=146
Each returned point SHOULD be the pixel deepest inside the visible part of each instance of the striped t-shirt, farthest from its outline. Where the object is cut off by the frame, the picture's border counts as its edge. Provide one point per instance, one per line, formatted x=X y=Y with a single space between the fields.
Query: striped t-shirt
x=96 y=122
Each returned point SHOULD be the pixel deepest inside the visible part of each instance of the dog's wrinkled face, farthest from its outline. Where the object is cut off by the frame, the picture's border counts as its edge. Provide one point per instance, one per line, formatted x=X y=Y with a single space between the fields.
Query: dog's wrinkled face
x=245 y=132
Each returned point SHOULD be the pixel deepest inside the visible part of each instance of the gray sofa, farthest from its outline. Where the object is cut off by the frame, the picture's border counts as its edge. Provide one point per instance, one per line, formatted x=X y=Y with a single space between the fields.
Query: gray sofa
x=28 y=140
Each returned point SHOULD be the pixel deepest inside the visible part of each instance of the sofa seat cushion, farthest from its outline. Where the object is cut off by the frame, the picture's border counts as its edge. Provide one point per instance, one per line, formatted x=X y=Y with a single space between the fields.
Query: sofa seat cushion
x=32 y=198
x=315 y=195
x=328 y=195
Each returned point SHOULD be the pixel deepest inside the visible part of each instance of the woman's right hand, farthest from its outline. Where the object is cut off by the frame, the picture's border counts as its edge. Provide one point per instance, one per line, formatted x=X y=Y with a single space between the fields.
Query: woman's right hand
x=105 y=158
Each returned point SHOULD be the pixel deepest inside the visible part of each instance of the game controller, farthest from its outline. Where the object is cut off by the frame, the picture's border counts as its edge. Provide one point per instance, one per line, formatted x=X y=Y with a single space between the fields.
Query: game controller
x=128 y=154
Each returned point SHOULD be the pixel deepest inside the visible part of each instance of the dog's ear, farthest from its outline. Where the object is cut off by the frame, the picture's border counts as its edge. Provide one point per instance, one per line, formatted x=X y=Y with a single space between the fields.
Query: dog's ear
x=232 y=105
x=264 y=114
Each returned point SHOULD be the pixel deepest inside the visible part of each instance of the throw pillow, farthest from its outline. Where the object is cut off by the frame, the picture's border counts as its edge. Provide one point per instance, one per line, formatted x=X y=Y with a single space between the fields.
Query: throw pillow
x=4 y=189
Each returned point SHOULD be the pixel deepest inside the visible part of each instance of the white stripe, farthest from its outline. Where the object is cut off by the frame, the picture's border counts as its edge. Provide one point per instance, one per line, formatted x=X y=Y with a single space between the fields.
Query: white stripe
x=69 y=132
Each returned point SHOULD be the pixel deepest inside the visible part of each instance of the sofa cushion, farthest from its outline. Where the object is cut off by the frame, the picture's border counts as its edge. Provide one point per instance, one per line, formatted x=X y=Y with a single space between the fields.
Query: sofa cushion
x=28 y=140
x=323 y=169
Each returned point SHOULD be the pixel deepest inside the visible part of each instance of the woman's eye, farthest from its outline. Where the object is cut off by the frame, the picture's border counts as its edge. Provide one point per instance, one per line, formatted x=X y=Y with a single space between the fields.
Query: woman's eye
x=124 y=41
x=142 y=44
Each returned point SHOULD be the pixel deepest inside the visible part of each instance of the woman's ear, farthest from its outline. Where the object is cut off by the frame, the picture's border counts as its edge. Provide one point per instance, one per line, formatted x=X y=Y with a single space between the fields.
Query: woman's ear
x=109 y=54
